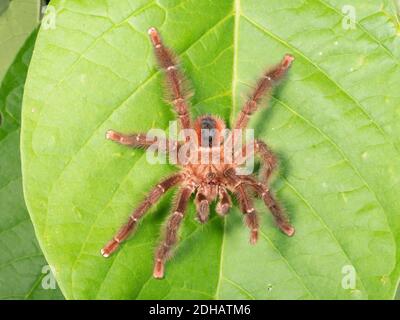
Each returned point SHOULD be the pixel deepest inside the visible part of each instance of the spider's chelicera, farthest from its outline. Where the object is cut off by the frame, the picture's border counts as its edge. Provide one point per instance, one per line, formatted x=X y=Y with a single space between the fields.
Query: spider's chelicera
x=208 y=180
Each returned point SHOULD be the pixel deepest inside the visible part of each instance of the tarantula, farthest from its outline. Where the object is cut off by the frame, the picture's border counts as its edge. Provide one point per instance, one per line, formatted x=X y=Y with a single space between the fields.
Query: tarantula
x=209 y=181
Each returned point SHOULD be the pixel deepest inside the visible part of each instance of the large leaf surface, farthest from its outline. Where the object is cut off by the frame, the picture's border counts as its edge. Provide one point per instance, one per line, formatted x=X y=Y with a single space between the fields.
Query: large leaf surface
x=23 y=268
x=334 y=123
x=18 y=18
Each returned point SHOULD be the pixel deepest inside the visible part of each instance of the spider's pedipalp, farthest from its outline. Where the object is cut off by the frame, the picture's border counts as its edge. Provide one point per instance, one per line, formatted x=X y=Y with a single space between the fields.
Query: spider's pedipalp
x=163 y=252
x=224 y=201
x=151 y=199
x=202 y=207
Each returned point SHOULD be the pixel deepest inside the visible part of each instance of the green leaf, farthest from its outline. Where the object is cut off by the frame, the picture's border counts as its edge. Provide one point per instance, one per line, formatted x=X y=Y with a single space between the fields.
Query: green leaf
x=334 y=123
x=18 y=18
x=23 y=268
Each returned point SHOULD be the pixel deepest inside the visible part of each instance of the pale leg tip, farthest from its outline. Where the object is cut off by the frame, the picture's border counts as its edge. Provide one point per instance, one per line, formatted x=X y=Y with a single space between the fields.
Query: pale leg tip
x=110 y=134
x=253 y=241
x=201 y=219
x=289 y=57
x=151 y=30
x=104 y=254
x=289 y=231
x=287 y=60
x=158 y=272
x=222 y=209
x=254 y=237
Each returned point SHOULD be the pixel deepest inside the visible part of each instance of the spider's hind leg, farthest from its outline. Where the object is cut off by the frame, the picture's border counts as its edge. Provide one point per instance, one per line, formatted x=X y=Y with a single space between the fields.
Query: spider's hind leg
x=280 y=216
x=245 y=201
x=171 y=232
x=139 y=212
x=249 y=212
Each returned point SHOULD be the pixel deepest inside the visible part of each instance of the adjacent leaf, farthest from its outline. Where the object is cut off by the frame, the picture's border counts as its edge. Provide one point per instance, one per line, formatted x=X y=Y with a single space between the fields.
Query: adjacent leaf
x=334 y=123
x=18 y=18
x=23 y=268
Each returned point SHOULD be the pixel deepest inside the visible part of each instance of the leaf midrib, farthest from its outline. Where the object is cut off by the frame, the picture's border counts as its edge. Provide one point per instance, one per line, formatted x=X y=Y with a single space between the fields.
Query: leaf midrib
x=140 y=87
x=236 y=10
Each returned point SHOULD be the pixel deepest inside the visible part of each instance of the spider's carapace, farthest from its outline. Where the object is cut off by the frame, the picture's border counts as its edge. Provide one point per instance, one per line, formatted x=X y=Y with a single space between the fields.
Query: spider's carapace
x=208 y=181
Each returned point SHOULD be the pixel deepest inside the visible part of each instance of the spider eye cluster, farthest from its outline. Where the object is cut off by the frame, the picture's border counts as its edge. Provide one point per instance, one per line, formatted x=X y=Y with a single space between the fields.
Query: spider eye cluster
x=208 y=123
x=208 y=132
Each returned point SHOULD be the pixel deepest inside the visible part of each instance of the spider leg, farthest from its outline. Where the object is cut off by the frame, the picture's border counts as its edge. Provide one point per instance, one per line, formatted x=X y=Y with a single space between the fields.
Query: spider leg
x=163 y=252
x=277 y=211
x=265 y=194
x=151 y=199
x=280 y=216
x=264 y=85
x=140 y=140
x=174 y=77
x=250 y=214
x=224 y=201
x=202 y=206
x=268 y=159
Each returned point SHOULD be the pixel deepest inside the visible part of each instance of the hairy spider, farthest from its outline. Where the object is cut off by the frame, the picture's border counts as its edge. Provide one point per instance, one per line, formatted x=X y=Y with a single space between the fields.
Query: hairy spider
x=209 y=181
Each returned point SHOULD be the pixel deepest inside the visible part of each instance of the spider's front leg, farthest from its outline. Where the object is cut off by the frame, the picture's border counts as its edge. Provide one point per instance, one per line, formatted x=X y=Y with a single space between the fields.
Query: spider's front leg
x=151 y=199
x=163 y=252
x=174 y=77
x=141 y=140
x=264 y=85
